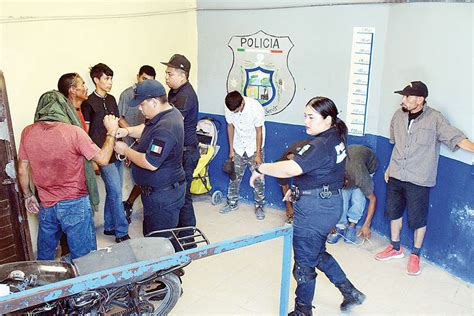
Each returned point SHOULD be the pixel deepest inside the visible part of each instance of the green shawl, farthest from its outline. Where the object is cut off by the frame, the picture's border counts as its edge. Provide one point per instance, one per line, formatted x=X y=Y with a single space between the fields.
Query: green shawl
x=54 y=106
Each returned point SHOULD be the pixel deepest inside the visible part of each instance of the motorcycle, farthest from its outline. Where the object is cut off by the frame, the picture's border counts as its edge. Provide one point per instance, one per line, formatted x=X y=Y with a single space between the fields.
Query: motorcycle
x=155 y=293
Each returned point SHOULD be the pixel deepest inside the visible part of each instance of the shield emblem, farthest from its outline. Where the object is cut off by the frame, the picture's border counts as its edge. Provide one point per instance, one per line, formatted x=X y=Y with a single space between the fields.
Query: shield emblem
x=259 y=85
x=260 y=70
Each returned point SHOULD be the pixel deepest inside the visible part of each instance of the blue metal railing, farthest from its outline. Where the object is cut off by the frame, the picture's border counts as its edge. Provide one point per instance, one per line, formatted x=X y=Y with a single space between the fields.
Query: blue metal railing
x=46 y=293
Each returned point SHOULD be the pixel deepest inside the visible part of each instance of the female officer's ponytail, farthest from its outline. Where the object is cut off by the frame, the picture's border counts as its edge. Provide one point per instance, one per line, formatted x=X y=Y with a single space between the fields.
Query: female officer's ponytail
x=326 y=107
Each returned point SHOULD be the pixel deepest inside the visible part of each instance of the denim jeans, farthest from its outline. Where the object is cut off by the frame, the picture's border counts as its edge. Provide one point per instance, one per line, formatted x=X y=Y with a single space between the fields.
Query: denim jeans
x=186 y=214
x=240 y=164
x=72 y=217
x=314 y=218
x=114 y=214
x=161 y=210
x=353 y=206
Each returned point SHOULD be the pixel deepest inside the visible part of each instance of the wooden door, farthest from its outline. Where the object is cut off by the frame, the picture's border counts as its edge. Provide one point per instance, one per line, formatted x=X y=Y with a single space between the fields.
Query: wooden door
x=15 y=240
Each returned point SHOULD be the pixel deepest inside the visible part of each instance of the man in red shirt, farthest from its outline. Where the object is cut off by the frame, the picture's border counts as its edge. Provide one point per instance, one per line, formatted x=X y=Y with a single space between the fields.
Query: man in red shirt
x=54 y=152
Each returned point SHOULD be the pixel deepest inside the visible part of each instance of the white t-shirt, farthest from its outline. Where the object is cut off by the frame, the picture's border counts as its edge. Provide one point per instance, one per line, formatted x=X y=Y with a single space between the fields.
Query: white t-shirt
x=245 y=122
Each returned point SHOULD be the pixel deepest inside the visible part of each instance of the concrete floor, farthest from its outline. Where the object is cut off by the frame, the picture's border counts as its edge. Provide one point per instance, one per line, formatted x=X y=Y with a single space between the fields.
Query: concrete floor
x=247 y=281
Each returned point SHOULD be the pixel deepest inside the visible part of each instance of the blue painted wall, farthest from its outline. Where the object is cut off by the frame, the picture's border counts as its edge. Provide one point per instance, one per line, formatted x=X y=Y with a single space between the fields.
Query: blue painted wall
x=450 y=232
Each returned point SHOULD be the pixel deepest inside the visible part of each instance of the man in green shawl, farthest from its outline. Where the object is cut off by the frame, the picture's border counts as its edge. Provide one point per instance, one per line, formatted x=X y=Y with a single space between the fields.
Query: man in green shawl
x=53 y=150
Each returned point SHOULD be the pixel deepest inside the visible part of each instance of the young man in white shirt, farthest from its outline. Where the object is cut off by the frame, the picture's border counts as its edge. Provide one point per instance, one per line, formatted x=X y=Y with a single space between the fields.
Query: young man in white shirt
x=246 y=135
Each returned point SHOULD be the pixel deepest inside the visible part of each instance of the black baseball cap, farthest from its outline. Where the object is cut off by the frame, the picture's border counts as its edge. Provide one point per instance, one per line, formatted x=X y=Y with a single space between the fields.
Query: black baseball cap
x=178 y=61
x=415 y=88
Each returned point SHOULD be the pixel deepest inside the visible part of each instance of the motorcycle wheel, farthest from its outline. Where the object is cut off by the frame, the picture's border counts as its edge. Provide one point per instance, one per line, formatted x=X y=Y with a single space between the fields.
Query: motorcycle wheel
x=166 y=297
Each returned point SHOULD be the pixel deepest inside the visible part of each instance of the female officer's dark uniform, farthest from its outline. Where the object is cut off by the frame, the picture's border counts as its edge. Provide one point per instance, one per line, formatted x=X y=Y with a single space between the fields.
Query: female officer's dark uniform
x=163 y=190
x=316 y=212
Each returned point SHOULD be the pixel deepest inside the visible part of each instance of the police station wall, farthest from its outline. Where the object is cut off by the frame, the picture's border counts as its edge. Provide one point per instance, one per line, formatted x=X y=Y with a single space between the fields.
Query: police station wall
x=432 y=42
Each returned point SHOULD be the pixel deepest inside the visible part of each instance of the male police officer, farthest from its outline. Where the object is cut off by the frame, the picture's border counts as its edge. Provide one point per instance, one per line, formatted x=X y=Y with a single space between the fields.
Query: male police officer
x=184 y=98
x=156 y=162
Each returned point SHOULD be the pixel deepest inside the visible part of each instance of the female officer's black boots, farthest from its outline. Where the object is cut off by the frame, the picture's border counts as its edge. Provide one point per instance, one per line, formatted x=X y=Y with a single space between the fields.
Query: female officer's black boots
x=352 y=296
x=302 y=310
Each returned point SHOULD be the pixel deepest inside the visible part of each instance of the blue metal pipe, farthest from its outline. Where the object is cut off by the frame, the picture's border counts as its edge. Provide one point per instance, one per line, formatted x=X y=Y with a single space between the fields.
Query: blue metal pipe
x=46 y=293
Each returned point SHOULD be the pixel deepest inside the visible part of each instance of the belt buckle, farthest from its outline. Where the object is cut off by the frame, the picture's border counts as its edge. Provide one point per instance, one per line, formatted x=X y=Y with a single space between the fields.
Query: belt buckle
x=325 y=193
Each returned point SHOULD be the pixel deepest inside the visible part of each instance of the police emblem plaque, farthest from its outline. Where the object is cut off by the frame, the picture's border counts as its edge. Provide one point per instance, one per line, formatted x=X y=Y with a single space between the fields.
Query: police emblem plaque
x=260 y=70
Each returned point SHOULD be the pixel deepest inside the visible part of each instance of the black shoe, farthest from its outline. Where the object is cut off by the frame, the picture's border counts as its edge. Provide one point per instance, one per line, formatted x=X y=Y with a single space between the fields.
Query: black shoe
x=302 y=310
x=351 y=295
x=109 y=232
x=128 y=211
x=123 y=238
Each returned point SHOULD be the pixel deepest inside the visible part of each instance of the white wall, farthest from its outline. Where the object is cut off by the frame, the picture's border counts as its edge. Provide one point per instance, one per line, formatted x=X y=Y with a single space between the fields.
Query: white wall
x=42 y=40
x=432 y=42
x=66 y=38
x=319 y=61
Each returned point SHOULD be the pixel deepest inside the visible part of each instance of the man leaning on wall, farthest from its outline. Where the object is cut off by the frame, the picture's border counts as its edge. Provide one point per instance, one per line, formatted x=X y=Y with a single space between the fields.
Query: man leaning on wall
x=417 y=132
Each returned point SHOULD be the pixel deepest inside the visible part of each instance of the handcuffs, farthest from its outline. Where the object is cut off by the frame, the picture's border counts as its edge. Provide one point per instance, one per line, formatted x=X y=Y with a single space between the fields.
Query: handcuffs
x=123 y=157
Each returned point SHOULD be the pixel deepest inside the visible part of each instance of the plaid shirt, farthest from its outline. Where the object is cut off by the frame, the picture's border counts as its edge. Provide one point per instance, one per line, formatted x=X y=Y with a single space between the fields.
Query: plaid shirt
x=415 y=154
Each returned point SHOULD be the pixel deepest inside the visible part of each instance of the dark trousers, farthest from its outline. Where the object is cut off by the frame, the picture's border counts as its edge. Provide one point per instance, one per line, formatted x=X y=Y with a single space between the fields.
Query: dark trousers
x=161 y=210
x=186 y=214
x=314 y=218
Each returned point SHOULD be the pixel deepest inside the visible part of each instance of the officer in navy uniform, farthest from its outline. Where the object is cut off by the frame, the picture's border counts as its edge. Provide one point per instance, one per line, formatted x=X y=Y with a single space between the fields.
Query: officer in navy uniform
x=318 y=168
x=156 y=162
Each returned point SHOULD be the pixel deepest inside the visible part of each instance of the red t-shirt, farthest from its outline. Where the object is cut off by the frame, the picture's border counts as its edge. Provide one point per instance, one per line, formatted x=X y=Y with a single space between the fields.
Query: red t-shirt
x=56 y=153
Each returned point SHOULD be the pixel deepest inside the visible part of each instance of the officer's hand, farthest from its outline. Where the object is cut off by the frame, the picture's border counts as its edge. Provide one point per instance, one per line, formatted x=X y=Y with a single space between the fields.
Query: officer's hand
x=287 y=196
x=32 y=205
x=386 y=175
x=111 y=123
x=255 y=176
x=258 y=159
x=364 y=232
x=121 y=132
x=120 y=148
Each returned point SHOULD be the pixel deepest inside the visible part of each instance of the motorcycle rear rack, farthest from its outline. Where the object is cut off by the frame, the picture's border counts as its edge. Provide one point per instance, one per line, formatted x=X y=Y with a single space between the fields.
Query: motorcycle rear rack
x=190 y=241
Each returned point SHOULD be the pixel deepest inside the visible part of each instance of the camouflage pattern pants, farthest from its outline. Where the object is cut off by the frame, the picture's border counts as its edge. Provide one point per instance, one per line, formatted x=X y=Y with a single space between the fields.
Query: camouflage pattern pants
x=240 y=164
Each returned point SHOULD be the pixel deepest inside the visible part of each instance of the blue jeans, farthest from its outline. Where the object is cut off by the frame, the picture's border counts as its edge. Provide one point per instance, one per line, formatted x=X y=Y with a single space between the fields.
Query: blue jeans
x=161 y=210
x=186 y=214
x=314 y=218
x=74 y=218
x=114 y=214
x=353 y=206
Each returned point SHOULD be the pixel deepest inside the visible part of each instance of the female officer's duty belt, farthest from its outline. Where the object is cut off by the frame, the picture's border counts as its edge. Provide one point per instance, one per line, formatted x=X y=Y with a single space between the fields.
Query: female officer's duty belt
x=323 y=193
x=148 y=189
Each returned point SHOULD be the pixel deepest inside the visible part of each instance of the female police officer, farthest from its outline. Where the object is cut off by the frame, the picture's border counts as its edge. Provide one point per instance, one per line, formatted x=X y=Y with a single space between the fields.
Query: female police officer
x=318 y=168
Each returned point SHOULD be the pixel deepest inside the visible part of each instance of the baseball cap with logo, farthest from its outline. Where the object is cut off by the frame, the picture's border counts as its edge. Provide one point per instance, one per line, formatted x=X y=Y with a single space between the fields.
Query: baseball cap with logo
x=147 y=89
x=415 y=88
x=178 y=61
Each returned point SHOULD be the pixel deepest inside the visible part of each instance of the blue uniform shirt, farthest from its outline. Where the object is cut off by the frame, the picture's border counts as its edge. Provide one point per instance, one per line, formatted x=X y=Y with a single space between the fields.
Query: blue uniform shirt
x=186 y=101
x=322 y=161
x=162 y=142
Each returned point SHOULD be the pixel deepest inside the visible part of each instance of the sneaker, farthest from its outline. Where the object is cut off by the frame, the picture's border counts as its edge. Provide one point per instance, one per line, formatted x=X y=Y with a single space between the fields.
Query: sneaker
x=350 y=235
x=413 y=267
x=128 y=211
x=390 y=253
x=334 y=237
x=229 y=207
x=259 y=213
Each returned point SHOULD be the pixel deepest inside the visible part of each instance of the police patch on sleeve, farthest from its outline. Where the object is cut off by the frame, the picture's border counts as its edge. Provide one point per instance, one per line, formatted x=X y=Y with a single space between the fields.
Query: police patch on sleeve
x=303 y=151
x=157 y=146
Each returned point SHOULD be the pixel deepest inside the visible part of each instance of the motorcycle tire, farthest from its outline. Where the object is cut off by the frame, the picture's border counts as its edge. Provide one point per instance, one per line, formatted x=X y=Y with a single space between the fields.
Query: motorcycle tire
x=166 y=300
